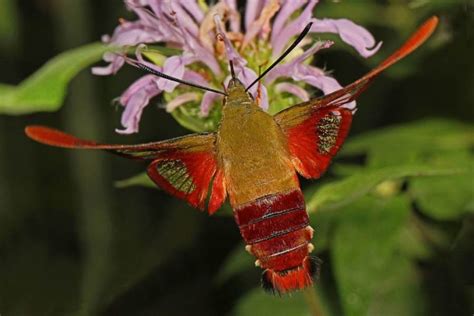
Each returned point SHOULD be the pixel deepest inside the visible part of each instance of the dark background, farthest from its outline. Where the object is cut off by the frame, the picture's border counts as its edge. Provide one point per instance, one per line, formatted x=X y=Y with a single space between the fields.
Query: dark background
x=72 y=243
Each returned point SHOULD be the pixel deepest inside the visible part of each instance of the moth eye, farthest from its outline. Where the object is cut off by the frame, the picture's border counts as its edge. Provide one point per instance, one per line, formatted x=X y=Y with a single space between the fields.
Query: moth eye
x=327 y=130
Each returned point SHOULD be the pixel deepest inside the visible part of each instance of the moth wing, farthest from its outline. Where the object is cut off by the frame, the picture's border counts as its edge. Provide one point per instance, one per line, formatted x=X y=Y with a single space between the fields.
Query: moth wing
x=184 y=167
x=316 y=139
x=188 y=175
x=316 y=129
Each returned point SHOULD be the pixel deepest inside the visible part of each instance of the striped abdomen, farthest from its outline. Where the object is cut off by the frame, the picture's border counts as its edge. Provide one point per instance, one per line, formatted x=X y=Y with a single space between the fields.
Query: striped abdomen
x=276 y=230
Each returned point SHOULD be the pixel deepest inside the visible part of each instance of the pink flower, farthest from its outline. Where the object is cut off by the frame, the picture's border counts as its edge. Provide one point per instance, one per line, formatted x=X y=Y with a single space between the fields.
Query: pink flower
x=203 y=46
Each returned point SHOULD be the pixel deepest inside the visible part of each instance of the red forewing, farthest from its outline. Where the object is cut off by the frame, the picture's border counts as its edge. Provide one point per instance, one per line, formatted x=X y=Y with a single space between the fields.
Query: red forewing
x=218 y=192
x=186 y=176
x=316 y=129
x=314 y=141
x=184 y=166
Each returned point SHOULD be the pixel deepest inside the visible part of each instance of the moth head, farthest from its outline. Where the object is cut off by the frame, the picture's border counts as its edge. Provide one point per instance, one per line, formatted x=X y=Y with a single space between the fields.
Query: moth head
x=236 y=90
x=234 y=84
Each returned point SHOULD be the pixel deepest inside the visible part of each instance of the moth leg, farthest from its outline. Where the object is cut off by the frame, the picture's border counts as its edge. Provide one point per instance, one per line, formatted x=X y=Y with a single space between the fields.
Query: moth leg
x=259 y=86
x=259 y=93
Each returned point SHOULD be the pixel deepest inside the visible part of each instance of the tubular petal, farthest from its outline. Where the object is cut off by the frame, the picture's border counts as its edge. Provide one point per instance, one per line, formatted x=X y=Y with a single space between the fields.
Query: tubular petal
x=180 y=100
x=134 y=100
x=351 y=33
x=287 y=9
x=207 y=102
x=293 y=89
x=115 y=64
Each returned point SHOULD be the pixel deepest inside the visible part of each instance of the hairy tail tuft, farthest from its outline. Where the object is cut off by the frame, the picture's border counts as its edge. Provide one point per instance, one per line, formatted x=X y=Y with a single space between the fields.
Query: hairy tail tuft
x=298 y=278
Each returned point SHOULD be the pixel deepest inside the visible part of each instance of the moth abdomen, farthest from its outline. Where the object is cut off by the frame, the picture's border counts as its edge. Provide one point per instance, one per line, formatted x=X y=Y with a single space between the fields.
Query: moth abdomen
x=277 y=232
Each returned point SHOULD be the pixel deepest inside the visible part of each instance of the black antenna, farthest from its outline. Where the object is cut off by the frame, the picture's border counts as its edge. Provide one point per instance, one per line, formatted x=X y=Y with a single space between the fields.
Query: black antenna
x=165 y=76
x=287 y=51
x=232 y=72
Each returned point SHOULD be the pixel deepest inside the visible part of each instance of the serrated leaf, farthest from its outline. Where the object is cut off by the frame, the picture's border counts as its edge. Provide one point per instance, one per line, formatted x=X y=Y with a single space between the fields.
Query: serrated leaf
x=46 y=88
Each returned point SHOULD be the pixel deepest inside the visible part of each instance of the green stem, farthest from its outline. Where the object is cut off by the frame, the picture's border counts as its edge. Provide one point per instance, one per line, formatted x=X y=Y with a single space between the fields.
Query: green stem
x=312 y=300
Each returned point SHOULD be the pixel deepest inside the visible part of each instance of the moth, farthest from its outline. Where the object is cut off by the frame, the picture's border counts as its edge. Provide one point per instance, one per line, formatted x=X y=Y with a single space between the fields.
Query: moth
x=254 y=159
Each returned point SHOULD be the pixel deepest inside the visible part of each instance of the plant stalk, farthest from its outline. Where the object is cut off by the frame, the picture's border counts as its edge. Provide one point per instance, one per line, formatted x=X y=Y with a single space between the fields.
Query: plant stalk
x=312 y=300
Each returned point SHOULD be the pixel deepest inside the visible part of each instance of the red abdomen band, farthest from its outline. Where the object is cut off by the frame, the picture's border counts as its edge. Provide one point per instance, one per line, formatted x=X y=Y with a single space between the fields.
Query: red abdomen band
x=276 y=227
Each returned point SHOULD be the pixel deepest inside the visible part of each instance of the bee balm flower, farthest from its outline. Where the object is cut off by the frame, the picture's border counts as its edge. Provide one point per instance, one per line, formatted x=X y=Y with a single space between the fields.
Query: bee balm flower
x=199 y=47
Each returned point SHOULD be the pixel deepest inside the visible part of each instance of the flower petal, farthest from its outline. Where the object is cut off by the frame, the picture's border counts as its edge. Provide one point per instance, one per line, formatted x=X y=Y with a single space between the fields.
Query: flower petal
x=351 y=33
x=243 y=73
x=281 y=39
x=115 y=61
x=251 y=12
x=194 y=77
x=287 y=69
x=207 y=101
x=262 y=23
x=193 y=8
x=134 y=33
x=234 y=16
x=134 y=99
x=293 y=89
x=174 y=67
x=287 y=9
x=317 y=78
x=180 y=100
x=185 y=20
x=231 y=53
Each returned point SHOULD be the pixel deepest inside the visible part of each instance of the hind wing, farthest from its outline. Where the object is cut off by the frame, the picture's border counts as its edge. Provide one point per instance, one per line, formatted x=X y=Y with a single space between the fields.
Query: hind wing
x=184 y=167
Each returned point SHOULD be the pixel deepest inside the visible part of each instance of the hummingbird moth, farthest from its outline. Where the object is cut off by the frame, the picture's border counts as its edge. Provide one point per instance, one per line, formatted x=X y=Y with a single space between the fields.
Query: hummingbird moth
x=254 y=159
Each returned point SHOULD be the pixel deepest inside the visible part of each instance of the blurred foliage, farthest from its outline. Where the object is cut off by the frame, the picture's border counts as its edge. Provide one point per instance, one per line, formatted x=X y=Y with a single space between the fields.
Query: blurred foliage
x=394 y=217
x=45 y=90
x=9 y=25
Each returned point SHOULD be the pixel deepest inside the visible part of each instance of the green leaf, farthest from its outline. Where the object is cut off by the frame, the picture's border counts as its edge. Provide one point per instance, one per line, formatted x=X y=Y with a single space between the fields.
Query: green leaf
x=9 y=26
x=46 y=88
x=141 y=247
x=257 y=302
x=373 y=278
x=411 y=143
x=323 y=224
x=445 y=198
x=141 y=179
x=5 y=88
x=238 y=261
x=348 y=190
x=413 y=240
